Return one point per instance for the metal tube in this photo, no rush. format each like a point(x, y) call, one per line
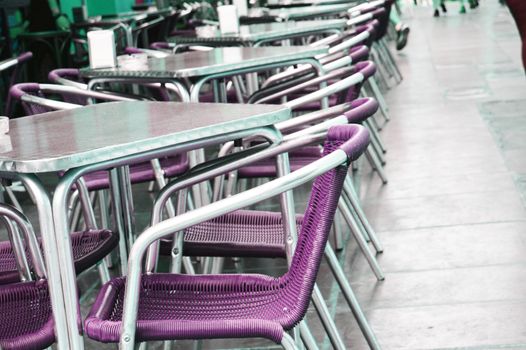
point(288, 343)
point(18, 249)
point(326, 320)
point(87, 208)
point(118, 219)
point(371, 156)
point(288, 213)
point(351, 298)
point(127, 202)
point(360, 240)
point(353, 199)
point(307, 337)
point(61, 302)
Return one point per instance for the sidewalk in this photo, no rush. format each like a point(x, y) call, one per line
point(452, 217)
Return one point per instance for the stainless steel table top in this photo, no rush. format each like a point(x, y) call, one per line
point(253, 33)
point(66, 139)
point(204, 63)
point(293, 13)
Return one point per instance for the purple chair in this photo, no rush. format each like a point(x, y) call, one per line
point(32, 96)
point(171, 306)
point(89, 247)
point(260, 233)
point(26, 318)
point(14, 64)
point(296, 91)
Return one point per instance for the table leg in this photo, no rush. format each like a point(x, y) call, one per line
point(127, 203)
point(57, 268)
point(287, 208)
point(115, 190)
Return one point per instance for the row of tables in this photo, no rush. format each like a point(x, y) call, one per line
point(112, 135)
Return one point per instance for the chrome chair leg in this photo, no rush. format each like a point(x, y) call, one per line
point(362, 228)
point(377, 94)
point(337, 230)
point(355, 230)
point(383, 67)
point(351, 298)
point(375, 163)
point(306, 336)
point(352, 196)
point(73, 210)
point(104, 273)
point(288, 343)
point(12, 197)
point(390, 57)
point(375, 146)
point(376, 136)
point(326, 319)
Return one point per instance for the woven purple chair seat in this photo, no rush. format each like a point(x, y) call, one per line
point(26, 319)
point(89, 247)
point(244, 233)
point(140, 173)
point(197, 307)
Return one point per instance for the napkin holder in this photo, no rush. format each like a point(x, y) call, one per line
point(228, 19)
point(101, 45)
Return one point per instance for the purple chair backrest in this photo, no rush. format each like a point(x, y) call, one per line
point(69, 77)
point(326, 190)
point(17, 91)
point(20, 61)
point(367, 69)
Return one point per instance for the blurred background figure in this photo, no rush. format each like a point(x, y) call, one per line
point(437, 6)
point(402, 30)
point(518, 11)
point(440, 4)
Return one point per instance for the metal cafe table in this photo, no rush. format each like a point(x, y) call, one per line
point(190, 71)
point(110, 136)
point(203, 66)
point(257, 34)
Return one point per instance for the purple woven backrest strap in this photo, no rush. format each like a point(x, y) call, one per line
point(319, 215)
point(65, 73)
point(18, 90)
point(361, 109)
